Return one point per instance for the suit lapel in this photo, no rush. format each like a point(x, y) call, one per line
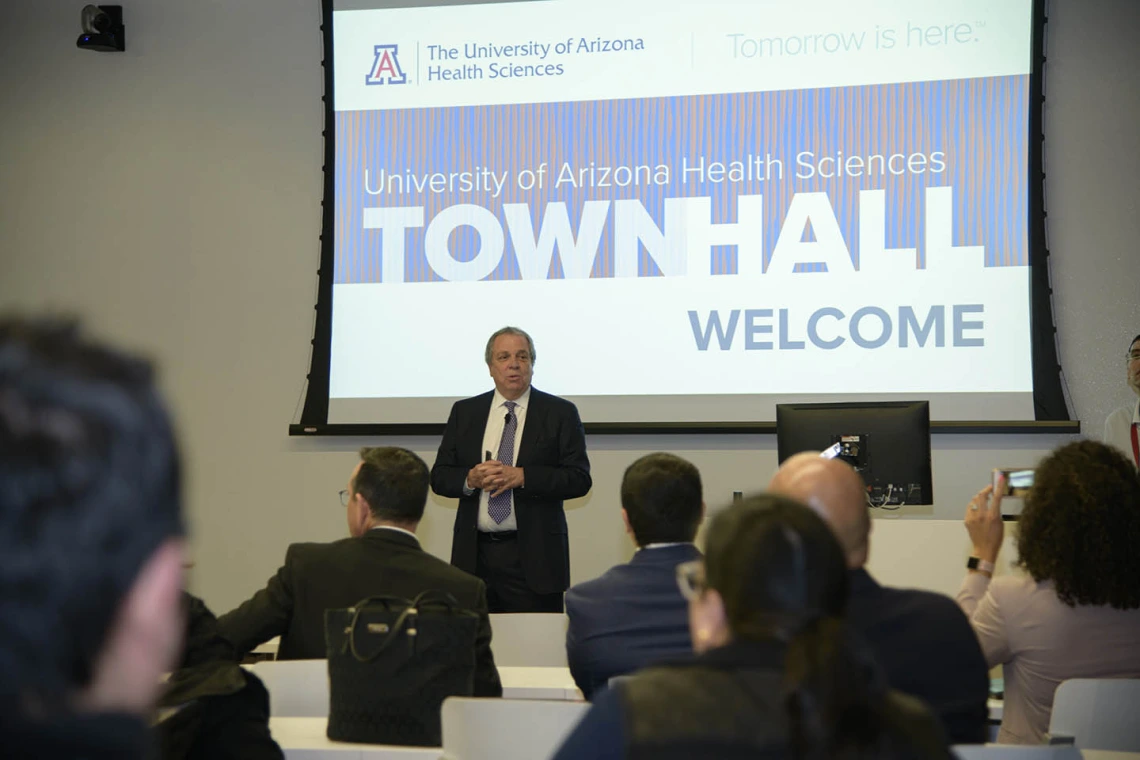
point(535, 419)
point(480, 411)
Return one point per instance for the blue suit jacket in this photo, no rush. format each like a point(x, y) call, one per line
point(630, 617)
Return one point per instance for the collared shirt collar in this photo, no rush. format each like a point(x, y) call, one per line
point(398, 530)
point(665, 545)
point(500, 399)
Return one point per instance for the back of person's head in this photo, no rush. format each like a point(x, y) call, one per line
point(1080, 526)
point(780, 574)
point(662, 499)
point(836, 492)
point(776, 566)
point(90, 524)
point(394, 482)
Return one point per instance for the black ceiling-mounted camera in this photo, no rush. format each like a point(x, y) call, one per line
point(102, 29)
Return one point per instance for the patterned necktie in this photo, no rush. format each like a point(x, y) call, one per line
point(499, 507)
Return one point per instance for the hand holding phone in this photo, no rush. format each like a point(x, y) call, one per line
point(1014, 481)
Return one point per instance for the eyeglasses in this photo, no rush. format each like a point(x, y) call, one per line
point(344, 496)
point(691, 579)
point(1132, 356)
point(522, 357)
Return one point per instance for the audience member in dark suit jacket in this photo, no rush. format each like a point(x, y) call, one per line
point(922, 640)
point(385, 499)
point(634, 614)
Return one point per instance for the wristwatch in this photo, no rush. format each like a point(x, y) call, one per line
point(974, 563)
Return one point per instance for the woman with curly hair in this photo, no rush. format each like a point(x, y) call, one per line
point(1077, 613)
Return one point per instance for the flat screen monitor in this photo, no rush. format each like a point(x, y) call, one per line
point(888, 444)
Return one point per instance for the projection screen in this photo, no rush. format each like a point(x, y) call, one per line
point(697, 208)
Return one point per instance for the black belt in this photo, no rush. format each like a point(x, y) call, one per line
point(502, 535)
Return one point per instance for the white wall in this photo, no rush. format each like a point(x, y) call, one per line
point(171, 196)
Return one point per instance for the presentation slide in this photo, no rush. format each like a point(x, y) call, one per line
point(697, 209)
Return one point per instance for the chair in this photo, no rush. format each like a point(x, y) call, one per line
point(1014, 752)
point(506, 729)
point(268, 648)
point(297, 688)
point(529, 639)
point(1097, 713)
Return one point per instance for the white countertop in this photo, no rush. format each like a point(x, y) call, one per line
point(305, 739)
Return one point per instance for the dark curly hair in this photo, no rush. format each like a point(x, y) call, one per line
point(1081, 526)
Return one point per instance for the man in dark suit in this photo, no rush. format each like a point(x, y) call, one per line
point(634, 614)
point(385, 499)
point(512, 456)
point(922, 640)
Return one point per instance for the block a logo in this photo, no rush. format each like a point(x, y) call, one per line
point(386, 66)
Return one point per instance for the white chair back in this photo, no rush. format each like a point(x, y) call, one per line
point(1015, 752)
point(506, 729)
point(1098, 713)
point(297, 688)
point(529, 639)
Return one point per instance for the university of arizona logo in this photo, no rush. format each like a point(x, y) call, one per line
point(386, 66)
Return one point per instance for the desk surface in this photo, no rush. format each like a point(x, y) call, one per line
point(305, 739)
point(538, 683)
point(300, 688)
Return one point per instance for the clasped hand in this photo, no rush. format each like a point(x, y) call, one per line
point(495, 477)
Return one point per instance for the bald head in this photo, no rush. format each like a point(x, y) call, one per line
point(836, 492)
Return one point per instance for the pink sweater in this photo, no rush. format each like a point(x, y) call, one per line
point(1039, 641)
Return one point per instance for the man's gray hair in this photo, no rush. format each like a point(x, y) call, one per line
point(508, 331)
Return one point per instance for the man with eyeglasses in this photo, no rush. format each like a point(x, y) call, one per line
point(1122, 428)
point(512, 456)
point(384, 504)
